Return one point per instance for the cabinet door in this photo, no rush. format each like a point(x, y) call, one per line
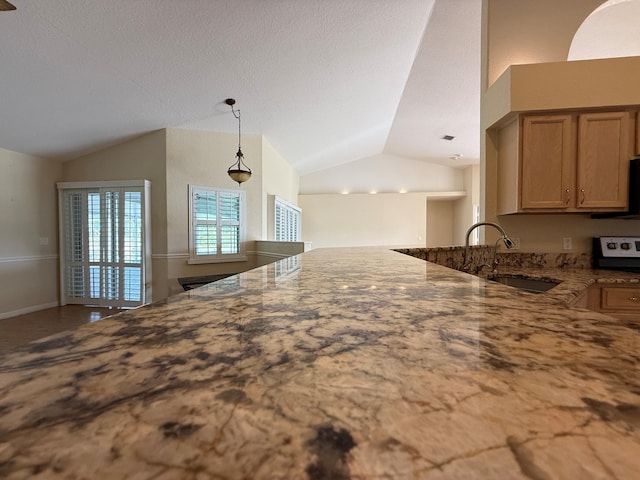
point(621, 299)
point(621, 302)
point(604, 151)
point(547, 177)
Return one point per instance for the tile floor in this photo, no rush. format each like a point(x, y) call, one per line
point(23, 329)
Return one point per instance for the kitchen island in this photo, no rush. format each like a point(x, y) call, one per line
point(336, 364)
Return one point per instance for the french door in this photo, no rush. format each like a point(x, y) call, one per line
point(103, 238)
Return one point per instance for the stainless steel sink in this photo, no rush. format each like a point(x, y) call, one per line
point(533, 285)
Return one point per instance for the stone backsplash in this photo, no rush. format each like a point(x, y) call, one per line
point(545, 260)
point(453, 257)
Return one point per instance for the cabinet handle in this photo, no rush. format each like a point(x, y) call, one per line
point(582, 196)
point(634, 299)
point(568, 198)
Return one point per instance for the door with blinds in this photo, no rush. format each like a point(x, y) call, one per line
point(284, 220)
point(103, 238)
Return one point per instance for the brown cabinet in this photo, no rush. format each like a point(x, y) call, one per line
point(548, 166)
point(604, 149)
point(565, 162)
point(620, 301)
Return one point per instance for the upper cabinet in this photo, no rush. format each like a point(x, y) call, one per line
point(565, 162)
point(548, 168)
point(605, 148)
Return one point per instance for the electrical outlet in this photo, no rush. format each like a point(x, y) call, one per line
point(44, 240)
point(567, 243)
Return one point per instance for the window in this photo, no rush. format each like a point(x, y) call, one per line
point(104, 230)
point(216, 219)
point(286, 221)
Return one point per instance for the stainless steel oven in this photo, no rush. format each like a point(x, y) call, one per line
point(617, 253)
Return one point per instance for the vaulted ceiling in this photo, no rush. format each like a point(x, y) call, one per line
point(326, 81)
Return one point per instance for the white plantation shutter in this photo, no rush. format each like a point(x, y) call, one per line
point(217, 223)
point(287, 221)
point(103, 244)
point(205, 205)
point(229, 222)
point(75, 244)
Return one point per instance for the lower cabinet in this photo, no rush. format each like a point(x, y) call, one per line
point(619, 301)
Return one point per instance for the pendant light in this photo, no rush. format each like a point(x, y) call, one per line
point(239, 172)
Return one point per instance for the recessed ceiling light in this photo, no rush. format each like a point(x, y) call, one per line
point(456, 156)
point(448, 137)
point(373, 192)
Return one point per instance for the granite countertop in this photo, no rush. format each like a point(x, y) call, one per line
point(574, 281)
point(337, 363)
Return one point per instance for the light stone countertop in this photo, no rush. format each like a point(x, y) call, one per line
point(574, 281)
point(335, 364)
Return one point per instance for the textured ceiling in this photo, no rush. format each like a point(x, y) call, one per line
point(327, 82)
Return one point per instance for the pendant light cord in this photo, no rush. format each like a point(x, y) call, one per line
point(239, 171)
point(233, 110)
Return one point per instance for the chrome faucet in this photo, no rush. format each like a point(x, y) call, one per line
point(504, 237)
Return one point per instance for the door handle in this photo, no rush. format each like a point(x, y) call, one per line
point(634, 299)
point(582, 196)
point(568, 197)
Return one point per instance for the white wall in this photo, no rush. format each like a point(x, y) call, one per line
point(386, 219)
point(28, 213)
point(383, 173)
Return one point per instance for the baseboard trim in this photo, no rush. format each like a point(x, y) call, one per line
point(26, 310)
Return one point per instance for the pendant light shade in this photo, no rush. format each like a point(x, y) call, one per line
point(239, 171)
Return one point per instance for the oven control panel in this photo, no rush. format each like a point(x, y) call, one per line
point(628, 247)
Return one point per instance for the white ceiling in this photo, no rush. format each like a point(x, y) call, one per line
point(326, 81)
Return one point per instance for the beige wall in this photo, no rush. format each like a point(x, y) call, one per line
point(171, 160)
point(142, 158)
point(526, 31)
point(278, 178)
point(511, 34)
point(383, 174)
point(597, 83)
point(386, 219)
point(440, 223)
point(463, 208)
point(202, 158)
point(29, 213)
point(331, 218)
